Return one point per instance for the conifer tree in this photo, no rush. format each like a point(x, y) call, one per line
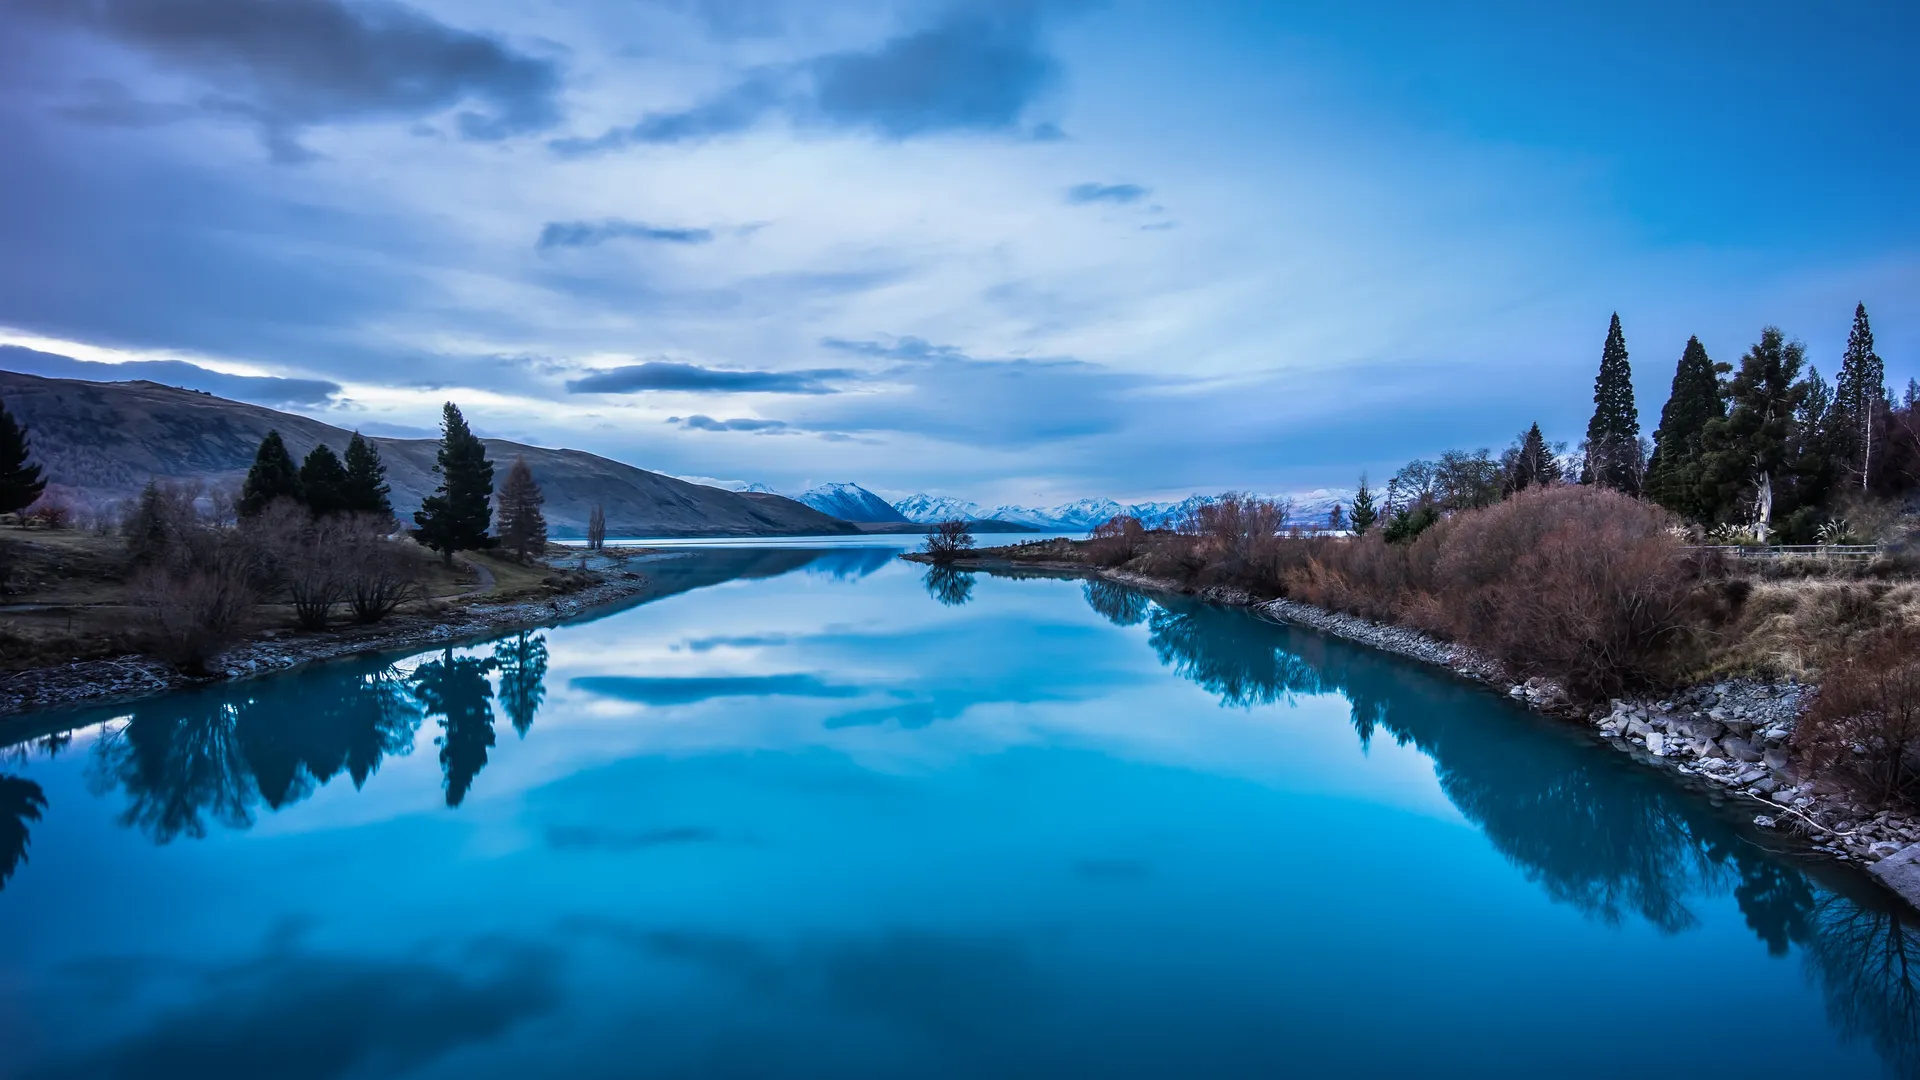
point(1613, 435)
point(1859, 401)
point(273, 476)
point(1364, 513)
point(523, 528)
point(366, 490)
point(20, 480)
point(1530, 462)
point(323, 481)
point(1750, 445)
point(455, 517)
point(522, 661)
point(1673, 476)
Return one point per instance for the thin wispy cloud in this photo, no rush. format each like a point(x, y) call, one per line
point(671, 375)
point(576, 234)
point(1092, 192)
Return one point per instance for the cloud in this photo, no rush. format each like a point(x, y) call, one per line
point(899, 348)
point(674, 375)
point(259, 389)
point(573, 234)
point(1092, 192)
point(296, 63)
point(973, 71)
point(595, 838)
point(687, 690)
point(700, 422)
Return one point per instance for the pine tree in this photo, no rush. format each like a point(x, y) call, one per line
point(523, 528)
point(20, 480)
point(323, 481)
point(1363, 514)
point(1613, 435)
point(1859, 401)
point(366, 490)
point(1673, 476)
point(455, 517)
point(1530, 462)
point(1815, 451)
point(272, 477)
point(1750, 446)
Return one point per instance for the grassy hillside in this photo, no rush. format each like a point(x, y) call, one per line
point(102, 442)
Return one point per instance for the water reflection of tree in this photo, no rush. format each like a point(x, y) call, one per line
point(949, 586)
point(455, 688)
point(1592, 830)
point(522, 660)
point(1117, 604)
point(21, 802)
point(209, 757)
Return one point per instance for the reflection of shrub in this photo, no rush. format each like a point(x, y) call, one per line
point(1117, 604)
point(1865, 721)
point(948, 540)
point(949, 586)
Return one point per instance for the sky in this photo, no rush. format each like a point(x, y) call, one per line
point(1008, 250)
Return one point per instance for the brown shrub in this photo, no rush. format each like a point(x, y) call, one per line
point(1119, 539)
point(196, 602)
point(948, 540)
point(1239, 539)
point(1864, 725)
point(50, 512)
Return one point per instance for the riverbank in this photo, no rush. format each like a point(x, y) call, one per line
point(1730, 737)
point(99, 681)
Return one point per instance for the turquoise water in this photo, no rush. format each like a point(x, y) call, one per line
point(816, 813)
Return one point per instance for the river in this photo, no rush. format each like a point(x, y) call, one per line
point(818, 812)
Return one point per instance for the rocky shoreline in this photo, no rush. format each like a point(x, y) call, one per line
point(1731, 734)
point(120, 678)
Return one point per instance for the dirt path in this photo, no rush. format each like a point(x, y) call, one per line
point(486, 583)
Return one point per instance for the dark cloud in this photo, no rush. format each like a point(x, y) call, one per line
point(673, 375)
point(973, 71)
point(1092, 192)
point(573, 234)
point(669, 690)
point(702, 422)
point(292, 64)
point(259, 389)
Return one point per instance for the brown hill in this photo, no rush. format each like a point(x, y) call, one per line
point(103, 441)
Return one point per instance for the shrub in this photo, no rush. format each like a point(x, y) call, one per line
point(50, 512)
point(948, 540)
point(1117, 540)
point(1238, 538)
point(1864, 725)
point(383, 576)
point(198, 600)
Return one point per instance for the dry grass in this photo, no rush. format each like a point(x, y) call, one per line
point(1794, 629)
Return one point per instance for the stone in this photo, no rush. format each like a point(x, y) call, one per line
point(1740, 749)
point(1742, 728)
point(1656, 744)
point(1763, 821)
point(1775, 760)
point(1766, 785)
point(1900, 872)
point(1784, 796)
point(1776, 734)
point(1706, 749)
point(1637, 727)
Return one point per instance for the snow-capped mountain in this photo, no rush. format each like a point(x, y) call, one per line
point(1309, 509)
point(849, 502)
point(928, 509)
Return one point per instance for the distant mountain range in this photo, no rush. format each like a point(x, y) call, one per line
point(102, 441)
point(851, 502)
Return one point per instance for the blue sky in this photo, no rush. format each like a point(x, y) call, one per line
point(1009, 251)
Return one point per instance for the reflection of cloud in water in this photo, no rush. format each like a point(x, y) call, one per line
point(298, 1015)
point(732, 641)
point(596, 838)
point(689, 689)
point(1112, 869)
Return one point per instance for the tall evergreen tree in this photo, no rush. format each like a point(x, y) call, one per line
point(20, 480)
point(323, 481)
point(523, 528)
point(1530, 462)
point(455, 517)
point(272, 477)
point(1613, 435)
point(1364, 513)
point(1859, 401)
point(366, 489)
point(1751, 445)
point(1673, 475)
point(1815, 452)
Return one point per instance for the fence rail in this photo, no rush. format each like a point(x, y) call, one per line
point(1794, 551)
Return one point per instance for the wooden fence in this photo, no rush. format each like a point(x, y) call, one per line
point(1837, 552)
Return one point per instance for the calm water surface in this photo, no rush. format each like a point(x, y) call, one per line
point(816, 813)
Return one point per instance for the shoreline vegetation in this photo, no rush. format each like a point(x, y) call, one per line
point(1588, 605)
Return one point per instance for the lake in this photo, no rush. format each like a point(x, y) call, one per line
point(819, 812)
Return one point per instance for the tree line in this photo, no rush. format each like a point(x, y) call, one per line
point(1766, 450)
